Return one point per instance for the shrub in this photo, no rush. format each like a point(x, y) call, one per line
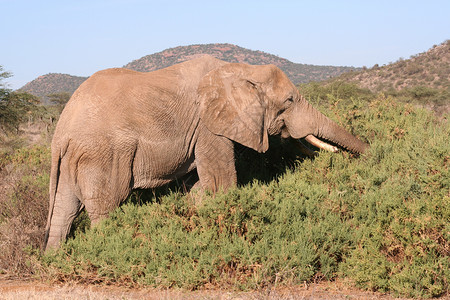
point(401, 219)
point(422, 95)
point(322, 93)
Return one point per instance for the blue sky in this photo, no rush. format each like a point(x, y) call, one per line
point(84, 36)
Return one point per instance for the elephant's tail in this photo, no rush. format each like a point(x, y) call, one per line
point(54, 176)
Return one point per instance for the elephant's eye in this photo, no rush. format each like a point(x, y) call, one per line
point(288, 102)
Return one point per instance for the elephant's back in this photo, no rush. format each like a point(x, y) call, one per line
point(119, 100)
point(89, 114)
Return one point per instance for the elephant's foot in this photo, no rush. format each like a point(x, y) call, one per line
point(196, 195)
point(66, 208)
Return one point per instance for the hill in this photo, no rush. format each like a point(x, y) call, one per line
point(430, 69)
point(298, 73)
point(53, 83)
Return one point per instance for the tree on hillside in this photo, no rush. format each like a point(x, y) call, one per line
point(15, 107)
point(59, 99)
point(3, 90)
point(3, 75)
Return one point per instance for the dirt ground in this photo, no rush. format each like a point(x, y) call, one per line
point(28, 289)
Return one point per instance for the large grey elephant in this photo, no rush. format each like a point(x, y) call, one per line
point(123, 130)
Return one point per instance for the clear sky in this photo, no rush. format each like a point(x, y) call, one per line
point(80, 37)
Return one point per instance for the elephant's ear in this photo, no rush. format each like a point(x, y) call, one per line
point(232, 105)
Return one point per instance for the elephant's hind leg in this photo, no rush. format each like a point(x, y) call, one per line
point(99, 208)
point(66, 207)
point(104, 186)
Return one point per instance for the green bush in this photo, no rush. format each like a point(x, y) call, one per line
point(402, 217)
point(15, 108)
point(381, 220)
point(232, 239)
point(423, 95)
point(324, 92)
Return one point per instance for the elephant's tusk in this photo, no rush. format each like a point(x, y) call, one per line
point(320, 144)
point(304, 149)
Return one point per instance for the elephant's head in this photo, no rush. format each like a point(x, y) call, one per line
point(247, 103)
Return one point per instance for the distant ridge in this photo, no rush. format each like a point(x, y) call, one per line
point(298, 73)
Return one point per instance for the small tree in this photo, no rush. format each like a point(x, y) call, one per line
point(14, 106)
point(59, 99)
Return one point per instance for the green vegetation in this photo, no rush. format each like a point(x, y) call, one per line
point(321, 93)
point(59, 100)
point(14, 107)
point(421, 94)
point(381, 220)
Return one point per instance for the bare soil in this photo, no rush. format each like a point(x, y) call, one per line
point(31, 289)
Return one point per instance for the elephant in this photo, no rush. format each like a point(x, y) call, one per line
point(123, 130)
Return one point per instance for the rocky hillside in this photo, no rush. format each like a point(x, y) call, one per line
point(298, 73)
point(430, 69)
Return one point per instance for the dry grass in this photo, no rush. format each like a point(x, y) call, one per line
point(23, 207)
point(12, 290)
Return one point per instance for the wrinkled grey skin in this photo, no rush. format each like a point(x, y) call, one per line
point(123, 130)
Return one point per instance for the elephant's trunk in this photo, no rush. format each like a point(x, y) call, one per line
point(336, 134)
point(307, 120)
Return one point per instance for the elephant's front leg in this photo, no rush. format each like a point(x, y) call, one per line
point(214, 157)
